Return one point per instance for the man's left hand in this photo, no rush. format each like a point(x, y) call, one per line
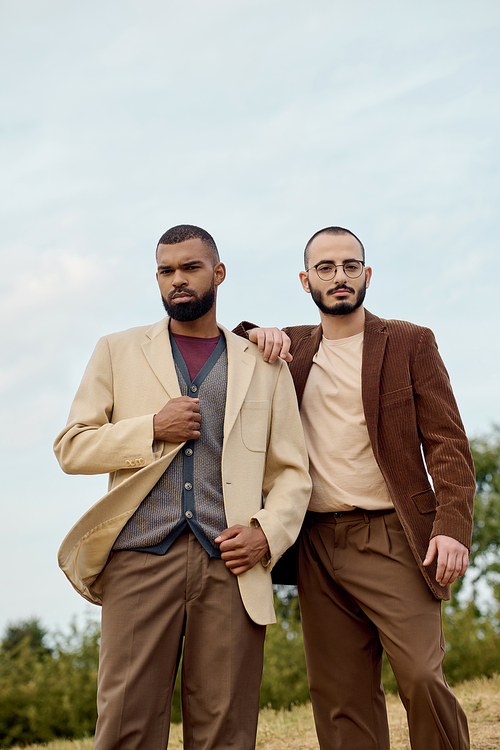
point(242, 547)
point(452, 558)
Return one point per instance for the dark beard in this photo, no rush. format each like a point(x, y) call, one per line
point(339, 308)
point(187, 311)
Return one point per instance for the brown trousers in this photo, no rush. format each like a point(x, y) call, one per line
point(360, 592)
point(150, 603)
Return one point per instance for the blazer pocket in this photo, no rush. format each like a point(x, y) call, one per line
point(425, 502)
point(397, 397)
point(254, 425)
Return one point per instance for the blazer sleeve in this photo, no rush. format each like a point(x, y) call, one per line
point(444, 442)
point(242, 328)
point(91, 443)
point(286, 485)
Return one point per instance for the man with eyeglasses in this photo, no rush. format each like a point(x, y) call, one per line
point(380, 544)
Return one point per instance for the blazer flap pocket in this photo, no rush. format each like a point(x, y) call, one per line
point(396, 397)
point(425, 501)
point(254, 425)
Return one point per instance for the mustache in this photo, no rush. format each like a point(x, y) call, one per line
point(341, 286)
point(171, 296)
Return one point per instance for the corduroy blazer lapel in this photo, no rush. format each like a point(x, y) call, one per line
point(307, 346)
point(374, 343)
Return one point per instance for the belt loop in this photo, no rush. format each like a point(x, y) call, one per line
point(366, 516)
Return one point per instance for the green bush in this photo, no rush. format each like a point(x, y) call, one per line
point(472, 643)
point(284, 681)
point(48, 693)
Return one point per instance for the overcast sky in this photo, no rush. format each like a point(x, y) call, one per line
point(261, 121)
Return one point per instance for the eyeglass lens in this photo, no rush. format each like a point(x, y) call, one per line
point(327, 271)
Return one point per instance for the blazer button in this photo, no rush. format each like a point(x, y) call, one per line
point(188, 486)
point(188, 452)
point(194, 388)
point(188, 514)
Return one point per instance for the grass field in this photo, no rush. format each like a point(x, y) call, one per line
point(294, 730)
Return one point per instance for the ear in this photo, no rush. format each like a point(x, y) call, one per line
point(304, 280)
point(368, 275)
point(219, 273)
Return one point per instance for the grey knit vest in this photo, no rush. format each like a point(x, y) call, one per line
point(190, 490)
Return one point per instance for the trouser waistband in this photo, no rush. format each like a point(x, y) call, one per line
point(346, 515)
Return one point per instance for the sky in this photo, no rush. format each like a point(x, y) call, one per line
point(261, 121)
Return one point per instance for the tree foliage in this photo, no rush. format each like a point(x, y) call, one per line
point(484, 557)
point(284, 682)
point(47, 693)
point(28, 631)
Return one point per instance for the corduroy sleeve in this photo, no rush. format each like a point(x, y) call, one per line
point(444, 442)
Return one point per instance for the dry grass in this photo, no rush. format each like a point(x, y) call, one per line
point(294, 730)
point(480, 700)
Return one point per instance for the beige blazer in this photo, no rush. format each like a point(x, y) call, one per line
point(129, 378)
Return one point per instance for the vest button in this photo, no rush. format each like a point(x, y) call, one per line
point(188, 451)
point(188, 486)
point(194, 388)
point(188, 514)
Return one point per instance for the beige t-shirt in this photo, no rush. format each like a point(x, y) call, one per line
point(343, 469)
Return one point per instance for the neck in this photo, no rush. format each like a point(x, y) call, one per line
point(202, 328)
point(343, 326)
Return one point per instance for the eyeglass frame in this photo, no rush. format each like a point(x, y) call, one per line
point(337, 265)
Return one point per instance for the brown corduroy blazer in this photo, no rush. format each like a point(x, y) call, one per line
point(410, 412)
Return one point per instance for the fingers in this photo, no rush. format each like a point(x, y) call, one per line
point(452, 558)
point(229, 533)
point(178, 421)
point(450, 567)
point(272, 343)
point(242, 547)
point(237, 569)
point(431, 552)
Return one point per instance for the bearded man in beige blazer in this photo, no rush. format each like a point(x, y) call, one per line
point(208, 486)
point(380, 545)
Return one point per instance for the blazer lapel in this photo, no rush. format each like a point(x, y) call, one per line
point(240, 368)
point(158, 353)
point(374, 343)
point(303, 352)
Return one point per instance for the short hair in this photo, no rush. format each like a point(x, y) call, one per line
point(183, 232)
point(330, 230)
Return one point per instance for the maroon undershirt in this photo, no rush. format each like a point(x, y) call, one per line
point(195, 351)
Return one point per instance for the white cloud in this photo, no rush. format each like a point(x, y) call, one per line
point(47, 279)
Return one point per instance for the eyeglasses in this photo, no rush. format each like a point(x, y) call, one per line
point(327, 271)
